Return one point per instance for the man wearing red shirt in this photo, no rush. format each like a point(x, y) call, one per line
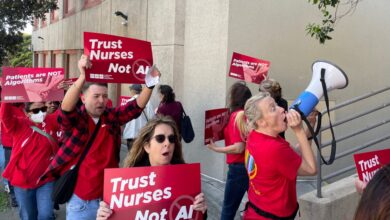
point(78, 124)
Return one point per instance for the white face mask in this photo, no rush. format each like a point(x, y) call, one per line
point(38, 118)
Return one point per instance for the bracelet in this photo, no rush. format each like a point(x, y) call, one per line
point(151, 87)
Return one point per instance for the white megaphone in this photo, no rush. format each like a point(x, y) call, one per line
point(335, 78)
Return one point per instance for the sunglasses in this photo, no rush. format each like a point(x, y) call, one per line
point(160, 138)
point(37, 110)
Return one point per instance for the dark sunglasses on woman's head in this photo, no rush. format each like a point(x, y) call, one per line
point(160, 138)
point(36, 110)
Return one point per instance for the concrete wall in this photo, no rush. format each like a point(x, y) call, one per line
point(339, 201)
point(204, 84)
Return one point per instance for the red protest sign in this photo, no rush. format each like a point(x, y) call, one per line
point(117, 59)
point(22, 84)
point(215, 122)
point(159, 192)
point(123, 100)
point(367, 164)
point(248, 68)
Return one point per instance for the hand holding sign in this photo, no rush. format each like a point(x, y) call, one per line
point(104, 211)
point(248, 68)
point(200, 203)
point(152, 78)
point(32, 84)
point(255, 75)
point(360, 186)
point(83, 64)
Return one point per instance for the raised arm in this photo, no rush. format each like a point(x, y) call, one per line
point(152, 78)
point(308, 166)
point(74, 91)
point(144, 97)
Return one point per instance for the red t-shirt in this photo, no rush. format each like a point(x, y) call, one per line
point(272, 167)
point(232, 136)
point(102, 154)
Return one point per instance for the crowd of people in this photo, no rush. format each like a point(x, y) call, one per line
point(41, 141)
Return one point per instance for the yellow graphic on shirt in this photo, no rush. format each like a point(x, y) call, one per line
point(250, 165)
point(251, 168)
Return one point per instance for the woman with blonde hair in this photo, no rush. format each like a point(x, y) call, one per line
point(272, 164)
point(275, 90)
point(157, 144)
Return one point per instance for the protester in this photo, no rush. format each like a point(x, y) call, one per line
point(78, 124)
point(272, 163)
point(237, 178)
point(33, 149)
point(7, 142)
point(2, 159)
point(132, 127)
point(375, 201)
point(168, 106)
point(158, 144)
point(275, 90)
point(52, 106)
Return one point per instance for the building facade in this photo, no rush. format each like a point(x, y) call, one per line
point(193, 41)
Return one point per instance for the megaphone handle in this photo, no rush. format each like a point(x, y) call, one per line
point(333, 148)
point(314, 135)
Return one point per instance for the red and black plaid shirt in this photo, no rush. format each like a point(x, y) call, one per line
point(76, 133)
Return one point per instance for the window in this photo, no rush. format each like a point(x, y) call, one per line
point(69, 7)
point(35, 24)
point(53, 60)
point(91, 3)
point(36, 57)
point(53, 16)
point(44, 59)
point(71, 60)
point(44, 21)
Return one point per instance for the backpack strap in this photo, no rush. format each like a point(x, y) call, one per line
point(48, 136)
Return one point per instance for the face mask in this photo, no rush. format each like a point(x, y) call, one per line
point(38, 118)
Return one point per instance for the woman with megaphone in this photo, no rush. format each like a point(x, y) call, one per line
point(272, 163)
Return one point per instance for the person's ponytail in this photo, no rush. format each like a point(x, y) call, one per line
point(240, 122)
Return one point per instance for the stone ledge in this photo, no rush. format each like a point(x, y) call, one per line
point(339, 201)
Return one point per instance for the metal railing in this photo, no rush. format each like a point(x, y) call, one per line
point(320, 178)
